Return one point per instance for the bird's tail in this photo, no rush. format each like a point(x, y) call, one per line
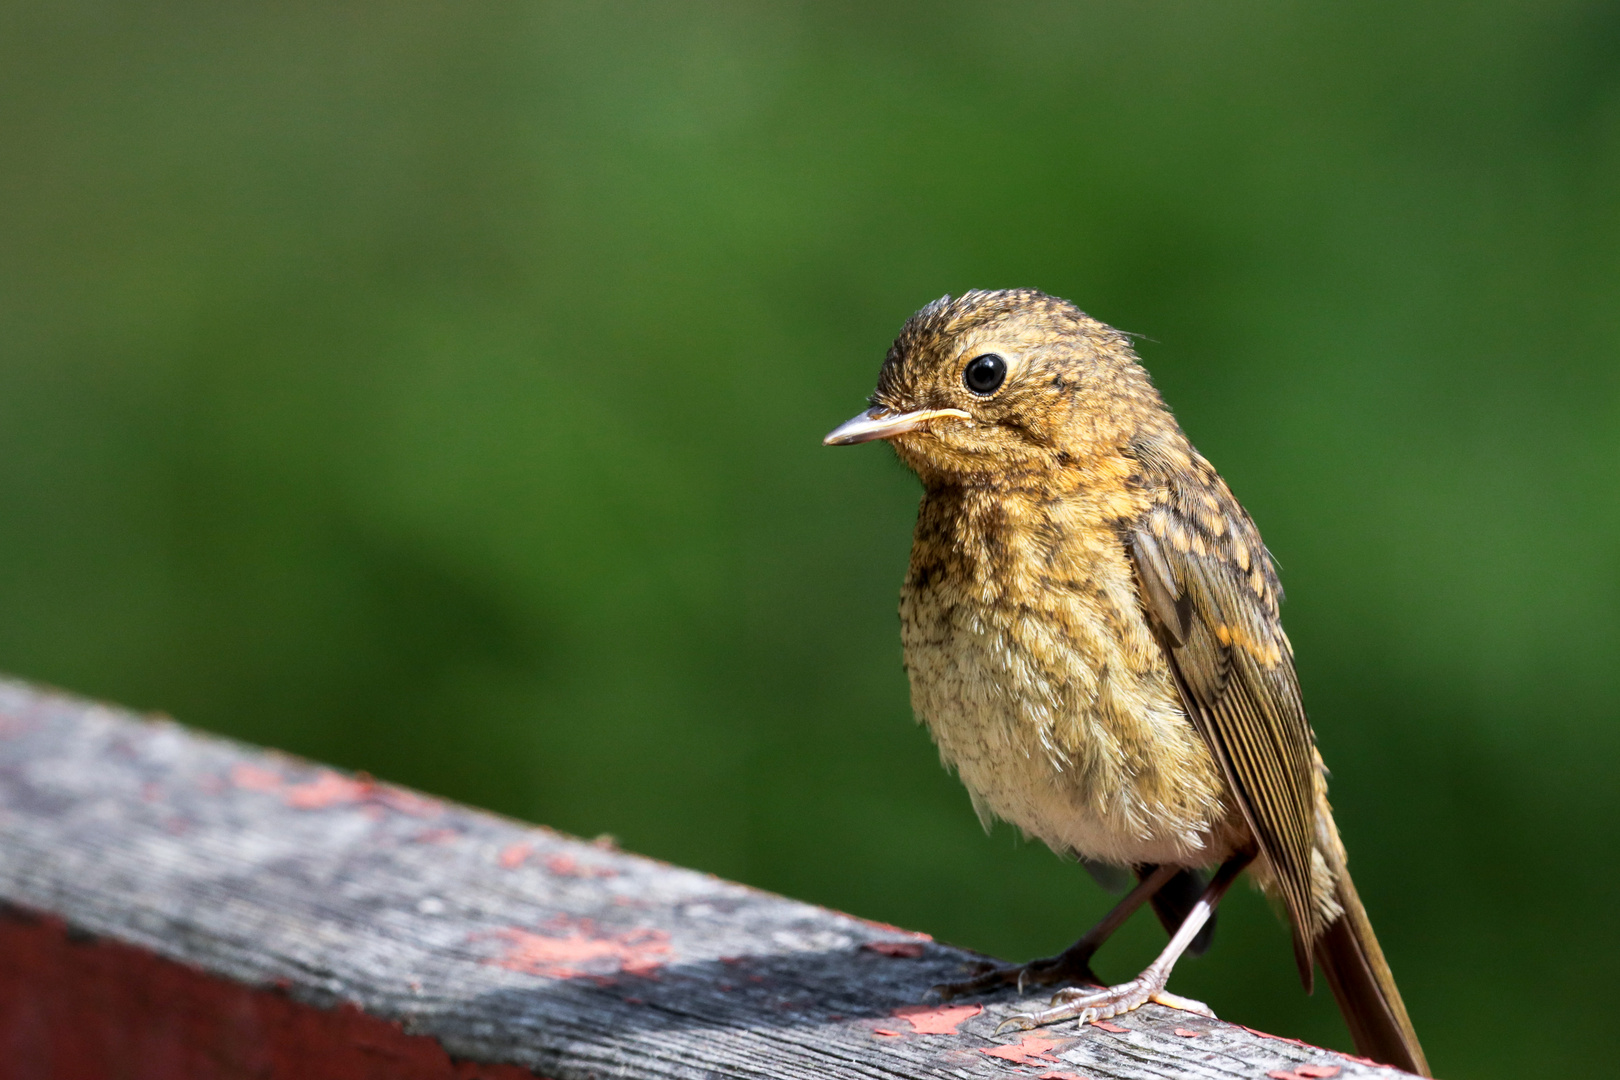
point(1363, 985)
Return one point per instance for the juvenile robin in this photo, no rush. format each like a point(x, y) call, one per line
point(1091, 633)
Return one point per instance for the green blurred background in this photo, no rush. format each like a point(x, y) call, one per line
point(436, 389)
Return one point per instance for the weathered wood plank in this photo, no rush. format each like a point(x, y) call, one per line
point(223, 911)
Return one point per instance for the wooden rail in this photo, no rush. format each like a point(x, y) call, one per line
point(181, 906)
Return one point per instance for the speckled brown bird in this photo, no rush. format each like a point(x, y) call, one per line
point(1092, 636)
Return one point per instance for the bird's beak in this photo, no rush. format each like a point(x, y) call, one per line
point(879, 423)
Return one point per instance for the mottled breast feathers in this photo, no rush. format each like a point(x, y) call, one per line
point(1208, 584)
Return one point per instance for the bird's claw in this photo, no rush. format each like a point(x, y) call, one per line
point(1086, 1005)
point(1185, 1004)
point(1065, 967)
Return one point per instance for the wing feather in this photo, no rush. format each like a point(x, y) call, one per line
point(1208, 584)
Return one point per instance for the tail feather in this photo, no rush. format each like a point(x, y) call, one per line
point(1364, 987)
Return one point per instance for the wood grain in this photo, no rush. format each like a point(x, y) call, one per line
point(216, 910)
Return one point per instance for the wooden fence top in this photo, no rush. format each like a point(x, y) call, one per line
point(185, 906)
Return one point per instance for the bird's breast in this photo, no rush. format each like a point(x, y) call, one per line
point(1035, 670)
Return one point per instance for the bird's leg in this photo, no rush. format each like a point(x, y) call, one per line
point(1088, 1005)
point(1072, 965)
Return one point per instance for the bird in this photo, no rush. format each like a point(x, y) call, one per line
point(1092, 637)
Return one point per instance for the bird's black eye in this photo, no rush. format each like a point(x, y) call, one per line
point(984, 374)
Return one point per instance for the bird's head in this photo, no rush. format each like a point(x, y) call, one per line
point(1003, 385)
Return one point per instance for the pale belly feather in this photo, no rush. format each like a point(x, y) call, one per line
point(1065, 726)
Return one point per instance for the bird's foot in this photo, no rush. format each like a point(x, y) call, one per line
point(1087, 1004)
point(1072, 965)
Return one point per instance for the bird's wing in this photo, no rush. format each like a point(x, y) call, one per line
point(1207, 581)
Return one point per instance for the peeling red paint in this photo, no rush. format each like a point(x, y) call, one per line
point(886, 1031)
point(77, 1008)
point(1317, 1072)
point(575, 949)
point(1286, 1039)
point(255, 778)
point(327, 789)
point(908, 950)
point(1055, 1075)
point(330, 788)
point(407, 802)
point(1185, 1034)
point(512, 856)
point(1106, 1026)
point(943, 1020)
point(915, 935)
point(1034, 1047)
point(565, 865)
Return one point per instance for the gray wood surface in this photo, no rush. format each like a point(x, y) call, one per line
point(505, 942)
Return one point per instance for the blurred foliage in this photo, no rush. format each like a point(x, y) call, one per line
point(436, 389)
